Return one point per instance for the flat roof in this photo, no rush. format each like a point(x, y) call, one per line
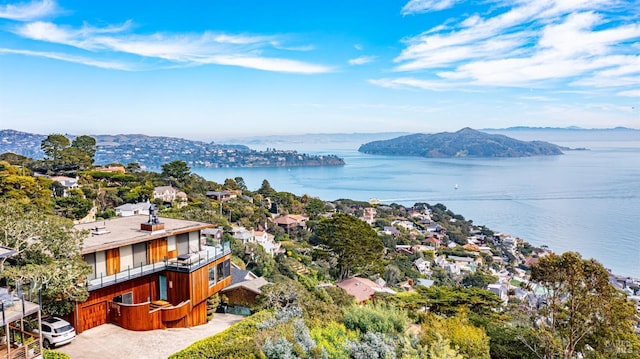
point(122, 231)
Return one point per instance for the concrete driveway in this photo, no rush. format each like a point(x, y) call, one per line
point(111, 341)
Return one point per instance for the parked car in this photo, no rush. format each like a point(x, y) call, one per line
point(56, 331)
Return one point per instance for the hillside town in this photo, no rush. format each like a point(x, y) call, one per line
point(148, 251)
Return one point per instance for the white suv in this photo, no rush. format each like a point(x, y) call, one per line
point(56, 332)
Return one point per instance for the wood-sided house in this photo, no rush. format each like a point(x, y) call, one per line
point(150, 273)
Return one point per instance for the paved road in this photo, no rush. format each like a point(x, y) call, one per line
point(111, 341)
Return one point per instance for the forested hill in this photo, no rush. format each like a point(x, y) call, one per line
point(466, 142)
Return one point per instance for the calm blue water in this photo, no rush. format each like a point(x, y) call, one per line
point(586, 201)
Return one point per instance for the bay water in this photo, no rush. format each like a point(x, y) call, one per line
point(585, 200)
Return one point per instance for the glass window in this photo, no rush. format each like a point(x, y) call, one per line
point(212, 275)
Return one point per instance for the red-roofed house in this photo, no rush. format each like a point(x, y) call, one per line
point(361, 288)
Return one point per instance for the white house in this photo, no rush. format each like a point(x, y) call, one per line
point(132, 209)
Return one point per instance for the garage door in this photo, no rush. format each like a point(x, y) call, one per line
point(92, 316)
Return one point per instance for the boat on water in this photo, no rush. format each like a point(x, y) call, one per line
point(456, 186)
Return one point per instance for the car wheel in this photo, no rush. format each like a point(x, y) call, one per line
point(46, 344)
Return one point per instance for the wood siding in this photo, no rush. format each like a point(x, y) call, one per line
point(198, 314)
point(158, 250)
point(88, 316)
point(240, 296)
point(113, 261)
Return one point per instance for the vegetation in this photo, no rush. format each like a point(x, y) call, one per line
point(303, 313)
point(464, 143)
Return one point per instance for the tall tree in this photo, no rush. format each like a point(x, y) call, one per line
point(584, 312)
point(53, 147)
point(353, 242)
point(86, 150)
point(177, 171)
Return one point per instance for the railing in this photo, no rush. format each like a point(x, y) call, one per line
point(183, 263)
point(22, 351)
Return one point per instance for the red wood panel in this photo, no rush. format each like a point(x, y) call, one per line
point(157, 250)
point(144, 289)
point(178, 287)
point(92, 316)
point(138, 317)
point(198, 315)
point(113, 260)
point(178, 312)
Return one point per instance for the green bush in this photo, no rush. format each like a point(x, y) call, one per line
point(53, 354)
point(236, 342)
point(376, 318)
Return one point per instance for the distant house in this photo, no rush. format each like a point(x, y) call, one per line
point(369, 215)
point(361, 288)
point(264, 239)
point(391, 230)
point(424, 282)
point(244, 288)
point(133, 209)
point(422, 265)
point(404, 249)
point(434, 242)
point(291, 221)
point(170, 194)
point(223, 196)
point(111, 169)
point(66, 182)
point(501, 290)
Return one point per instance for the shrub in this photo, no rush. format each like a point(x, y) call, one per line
point(236, 342)
point(377, 319)
point(53, 354)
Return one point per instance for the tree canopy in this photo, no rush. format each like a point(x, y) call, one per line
point(584, 313)
point(352, 241)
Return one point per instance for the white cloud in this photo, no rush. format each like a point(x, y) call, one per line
point(546, 43)
point(177, 49)
point(111, 65)
point(422, 6)
point(28, 11)
point(361, 60)
point(630, 93)
point(409, 82)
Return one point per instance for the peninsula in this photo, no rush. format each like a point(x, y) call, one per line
point(153, 151)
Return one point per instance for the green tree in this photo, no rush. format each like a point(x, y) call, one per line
point(53, 147)
point(85, 150)
point(470, 342)
point(177, 171)
point(585, 314)
point(47, 256)
point(353, 242)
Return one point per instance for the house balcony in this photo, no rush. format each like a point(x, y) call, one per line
point(17, 316)
point(182, 263)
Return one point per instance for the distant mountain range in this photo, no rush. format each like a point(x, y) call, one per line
point(466, 142)
point(154, 151)
point(570, 128)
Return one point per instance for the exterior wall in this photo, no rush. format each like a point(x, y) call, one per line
point(95, 310)
point(241, 296)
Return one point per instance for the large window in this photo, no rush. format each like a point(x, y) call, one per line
point(224, 269)
point(212, 276)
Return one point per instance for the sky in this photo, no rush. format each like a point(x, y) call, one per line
point(213, 69)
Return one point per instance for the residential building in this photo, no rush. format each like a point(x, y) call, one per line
point(369, 215)
point(362, 289)
point(244, 288)
point(150, 273)
point(16, 341)
point(133, 209)
point(170, 194)
point(291, 221)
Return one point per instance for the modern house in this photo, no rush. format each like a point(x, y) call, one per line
point(17, 317)
point(291, 221)
point(150, 273)
point(362, 289)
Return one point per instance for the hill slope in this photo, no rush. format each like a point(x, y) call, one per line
point(466, 142)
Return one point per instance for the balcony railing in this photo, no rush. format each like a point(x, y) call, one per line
point(182, 263)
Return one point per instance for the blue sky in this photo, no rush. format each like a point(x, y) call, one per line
point(213, 69)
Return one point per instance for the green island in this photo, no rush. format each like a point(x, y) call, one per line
point(338, 279)
point(466, 142)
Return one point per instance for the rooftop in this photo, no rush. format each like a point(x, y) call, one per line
point(122, 231)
